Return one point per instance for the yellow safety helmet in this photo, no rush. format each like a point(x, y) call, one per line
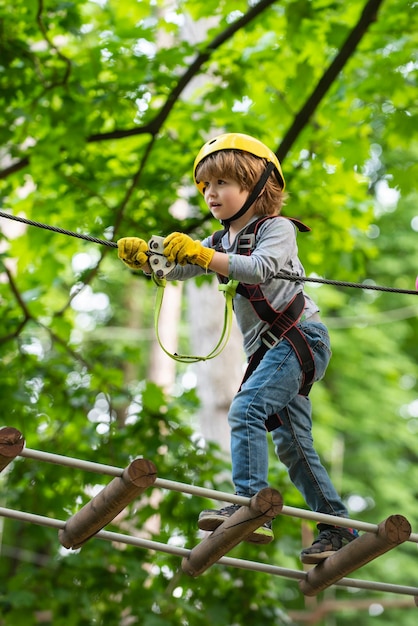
point(238, 141)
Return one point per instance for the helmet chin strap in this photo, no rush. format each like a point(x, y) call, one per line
point(252, 197)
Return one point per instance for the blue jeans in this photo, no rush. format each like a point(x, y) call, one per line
point(274, 388)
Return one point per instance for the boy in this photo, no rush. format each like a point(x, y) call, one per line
point(286, 344)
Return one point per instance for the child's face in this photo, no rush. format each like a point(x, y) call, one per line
point(224, 197)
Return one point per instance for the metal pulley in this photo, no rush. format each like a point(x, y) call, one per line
point(158, 262)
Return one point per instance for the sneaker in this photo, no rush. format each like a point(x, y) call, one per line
point(329, 540)
point(210, 519)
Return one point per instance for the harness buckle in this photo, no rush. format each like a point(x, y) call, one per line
point(246, 243)
point(270, 339)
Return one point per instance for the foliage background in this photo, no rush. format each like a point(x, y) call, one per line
point(104, 106)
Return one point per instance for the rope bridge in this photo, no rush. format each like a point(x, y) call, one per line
point(128, 483)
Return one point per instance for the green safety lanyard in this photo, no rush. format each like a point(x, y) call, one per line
point(229, 290)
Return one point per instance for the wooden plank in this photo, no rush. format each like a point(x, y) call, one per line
point(391, 532)
point(11, 445)
point(264, 506)
point(104, 507)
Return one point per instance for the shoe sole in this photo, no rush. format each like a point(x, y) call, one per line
point(210, 523)
point(260, 535)
point(314, 559)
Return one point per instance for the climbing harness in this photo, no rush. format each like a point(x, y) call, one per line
point(282, 324)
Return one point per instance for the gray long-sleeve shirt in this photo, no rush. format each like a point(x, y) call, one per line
point(275, 251)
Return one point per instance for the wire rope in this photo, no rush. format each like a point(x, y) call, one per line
point(57, 229)
point(283, 275)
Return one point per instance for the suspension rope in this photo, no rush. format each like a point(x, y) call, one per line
point(285, 276)
point(203, 492)
point(227, 561)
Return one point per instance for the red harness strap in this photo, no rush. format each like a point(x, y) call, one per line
point(287, 318)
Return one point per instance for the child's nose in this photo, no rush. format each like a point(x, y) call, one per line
point(211, 192)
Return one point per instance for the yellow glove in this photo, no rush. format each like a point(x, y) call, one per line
point(132, 251)
point(181, 249)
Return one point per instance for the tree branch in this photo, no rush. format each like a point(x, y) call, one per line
point(64, 59)
point(156, 123)
point(15, 167)
point(26, 313)
point(154, 126)
point(369, 15)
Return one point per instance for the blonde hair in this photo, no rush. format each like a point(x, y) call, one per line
point(246, 169)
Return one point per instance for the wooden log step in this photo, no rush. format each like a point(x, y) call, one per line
point(264, 506)
point(104, 507)
point(11, 445)
point(391, 532)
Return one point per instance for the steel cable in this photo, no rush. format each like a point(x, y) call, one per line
point(294, 278)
